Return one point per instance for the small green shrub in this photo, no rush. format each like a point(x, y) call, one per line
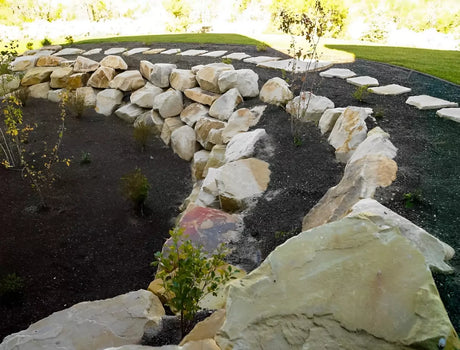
point(69, 39)
point(46, 42)
point(262, 47)
point(226, 60)
point(135, 187)
point(141, 134)
point(11, 288)
point(73, 103)
point(22, 94)
point(85, 158)
point(297, 140)
point(30, 45)
point(412, 198)
point(361, 93)
point(189, 273)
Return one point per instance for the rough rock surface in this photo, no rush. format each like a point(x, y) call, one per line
point(429, 102)
point(243, 145)
point(144, 96)
point(101, 78)
point(344, 285)
point(169, 103)
point(376, 142)
point(159, 76)
point(276, 91)
point(170, 124)
point(37, 75)
point(239, 121)
point(208, 76)
point(129, 112)
point(223, 107)
point(245, 80)
point(309, 107)
point(39, 90)
point(201, 96)
point(203, 128)
point(129, 80)
point(200, 159)
point(182, 79)
point(85, 65)
point(115, 62)
point(183, 142)
point(107, 100)
point(193, 112)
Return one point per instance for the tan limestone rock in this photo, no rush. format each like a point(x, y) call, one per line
point(107, 100)
point(160, 74)
point(49, 61)
point(8, 83)
point(192, 113)
point(77, 80)
point(113, 61)
point(203, 127)
point(207, 328)
point(169, 103)
point(129, 80)
point(170, 124)
point(216, 158)
point(85, 65)
point(88, 94)
point(60, 77)
point(200, 159)
point(101, 78)
point(23, 63)
point(145, 96)
point(182, 79)
point(37, 75)
point(146, 68)
point(223, 107)
point(201, 96)
point(239, 121)
point(376, 142)
point(276, 91)
point(39, 90)
point(208, 76)
point(183, 142)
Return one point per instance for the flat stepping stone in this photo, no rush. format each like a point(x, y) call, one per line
point(115, 50)
point(153, 51)
point(261, 59)
point(92, 52)
point(237, 56)
point(342, 73)
point(429, 102)
point(450, 113)
point(300, 66)
point(392, 89)
point(170, 52)
point(363, 81)
point(215, 53)
point(193, 52)
point(69, 51)
point(135, 51)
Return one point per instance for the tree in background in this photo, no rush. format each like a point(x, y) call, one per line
point(180, 11)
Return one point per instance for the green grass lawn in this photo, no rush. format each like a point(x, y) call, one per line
point(442, 64)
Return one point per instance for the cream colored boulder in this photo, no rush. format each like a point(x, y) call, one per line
point(39, 90)
point(77, 80)
point(85, 65)
point(151, 119)
point(129, 112)
point(169, 103)
point(92, 325)
point(223, 107)
point(435, 251)
point(37, 75)
point(8, 83)
point(169, 125)
point(55, 95)
point(129, 80)
point(183, 142)
point(146, 68)
point(160, 73)
point(276, 91)
point(193, 112)
point(328, 119)
point(245, 80)
point(201, 96)
point(208, 76)
point(113, 61)
point(348, 132)
point(345, 285)
point(215, 136)
point(360, 180)
point(88, 95)
point(182, 79)
point(216, 158)
point(49, 61)
point(376, 142)
point(60, 77)
point(23, 63)
point(107, 100)
point(243, 144)
point(203, 128)
point(206, 329)
point(308, 106)
point(144, 96)
point(242, 181)
point(199, 161)
point(239, 121)
point(101, 78)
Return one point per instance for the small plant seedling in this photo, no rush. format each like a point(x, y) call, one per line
point(74, 103)
point(297, 141)
point(189, 273)
point(379, 113)
point(11, 288)
point(361, 93)
point(412, 198)
point(135, 187)
point(69, 39)
point(227, 60)
point(30, 45)
point(141, 134)
point(85, 158)
point(262, 47)
point(46, 42)
point(22, 94)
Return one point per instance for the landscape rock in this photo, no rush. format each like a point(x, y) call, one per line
point(135, 51)
point(237, 56)
point(92, 325)
point(206, 329)
point(55, 95)
point(261, 59)
point(376, 142)
point(360, 180)
point(170, 52)
point(129, 80)
point(160, 74)
point(348, 132)
point(8, 83)
point(245, 80)
point(243, 145)
point(115, 62)
point(39, 90)
point(169, 103)
point(77, 80)
point(449, 113)
point(23, 63)
point(101, 78)
point(275, 91)
point(88, 94)
point(216, 158)
point(308, 107)
point(151, 119)
point(92, 52)
point(153, 51)
point(145, 96)
point(299, 66)
point(342, 73)
point(435, 251)
point(183, 142)
point(169, 125)
point(146, 68)
point(239, 121)
point(49, 61)
point(242, 181)
point(363, 81)
point(182, 79)
point(207, 196)
point(107, 100)
point(392, 89)
point(328, 119)
point(201, 96)
point(38, 75)
point(216, 53)
point(223, 107)
point(115, 50)
point(310, 293)
point(200, 159)
point(129, 112)
point(429, 102)
point(193, 112)
point(60, 77)
point(193, 52)
point(85, 65)
point(215, 136)
point(208, 76)
point(69, 51)
point(202, 129)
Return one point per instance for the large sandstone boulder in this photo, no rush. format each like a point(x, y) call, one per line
point(129, 80)
point(37, 75)
point(49, 61)
point(360, 180)
point(245, 80)
point(23, 63)
point(203, 127)
point(101, 78)
point(223, 107)
point(208, 76)
point(376, 142)
point(182, 79)
point(151, 119)
point(39, 90)
point(77, 80)
point(346, 285)
point(329, 118)
point(216, 158)
point(201, 96)
point(113, 61)
point(276, 91)
point(348, 132)
point(200, 159)
point(169, 103)
point(435, 251)
point(183, 142)
point(107, 100)
point(146, 68)
point(243, 145)
point(206, 329)
point(169, 125)
point(129, 112)
point(88, 95)
point(193, 112)
point(239, 121)
point(144, 96)
point(85, 65)
point(160, 73)
point(242, 181)
point(308, 107)
point(92, 325)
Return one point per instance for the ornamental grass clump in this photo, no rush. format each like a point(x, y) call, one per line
point(135, 186)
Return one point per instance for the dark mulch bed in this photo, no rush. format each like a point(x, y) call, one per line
point(91, 244)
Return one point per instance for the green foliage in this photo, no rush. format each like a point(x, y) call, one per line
point(69, 39)
point(189, 273)
point(142, 133)
point(73, 103)
point(226, 60)
point(361, 93)
point(45, 42)
point(85, 158)
point(262, 46)
point(412, 198)
point(7, 55)
point(180, 11)
point(135, 187)
point(297, 140)
point(11, 288)
point(99, 10)
point(376, 33)
point(22, 94)
point(30, 45)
